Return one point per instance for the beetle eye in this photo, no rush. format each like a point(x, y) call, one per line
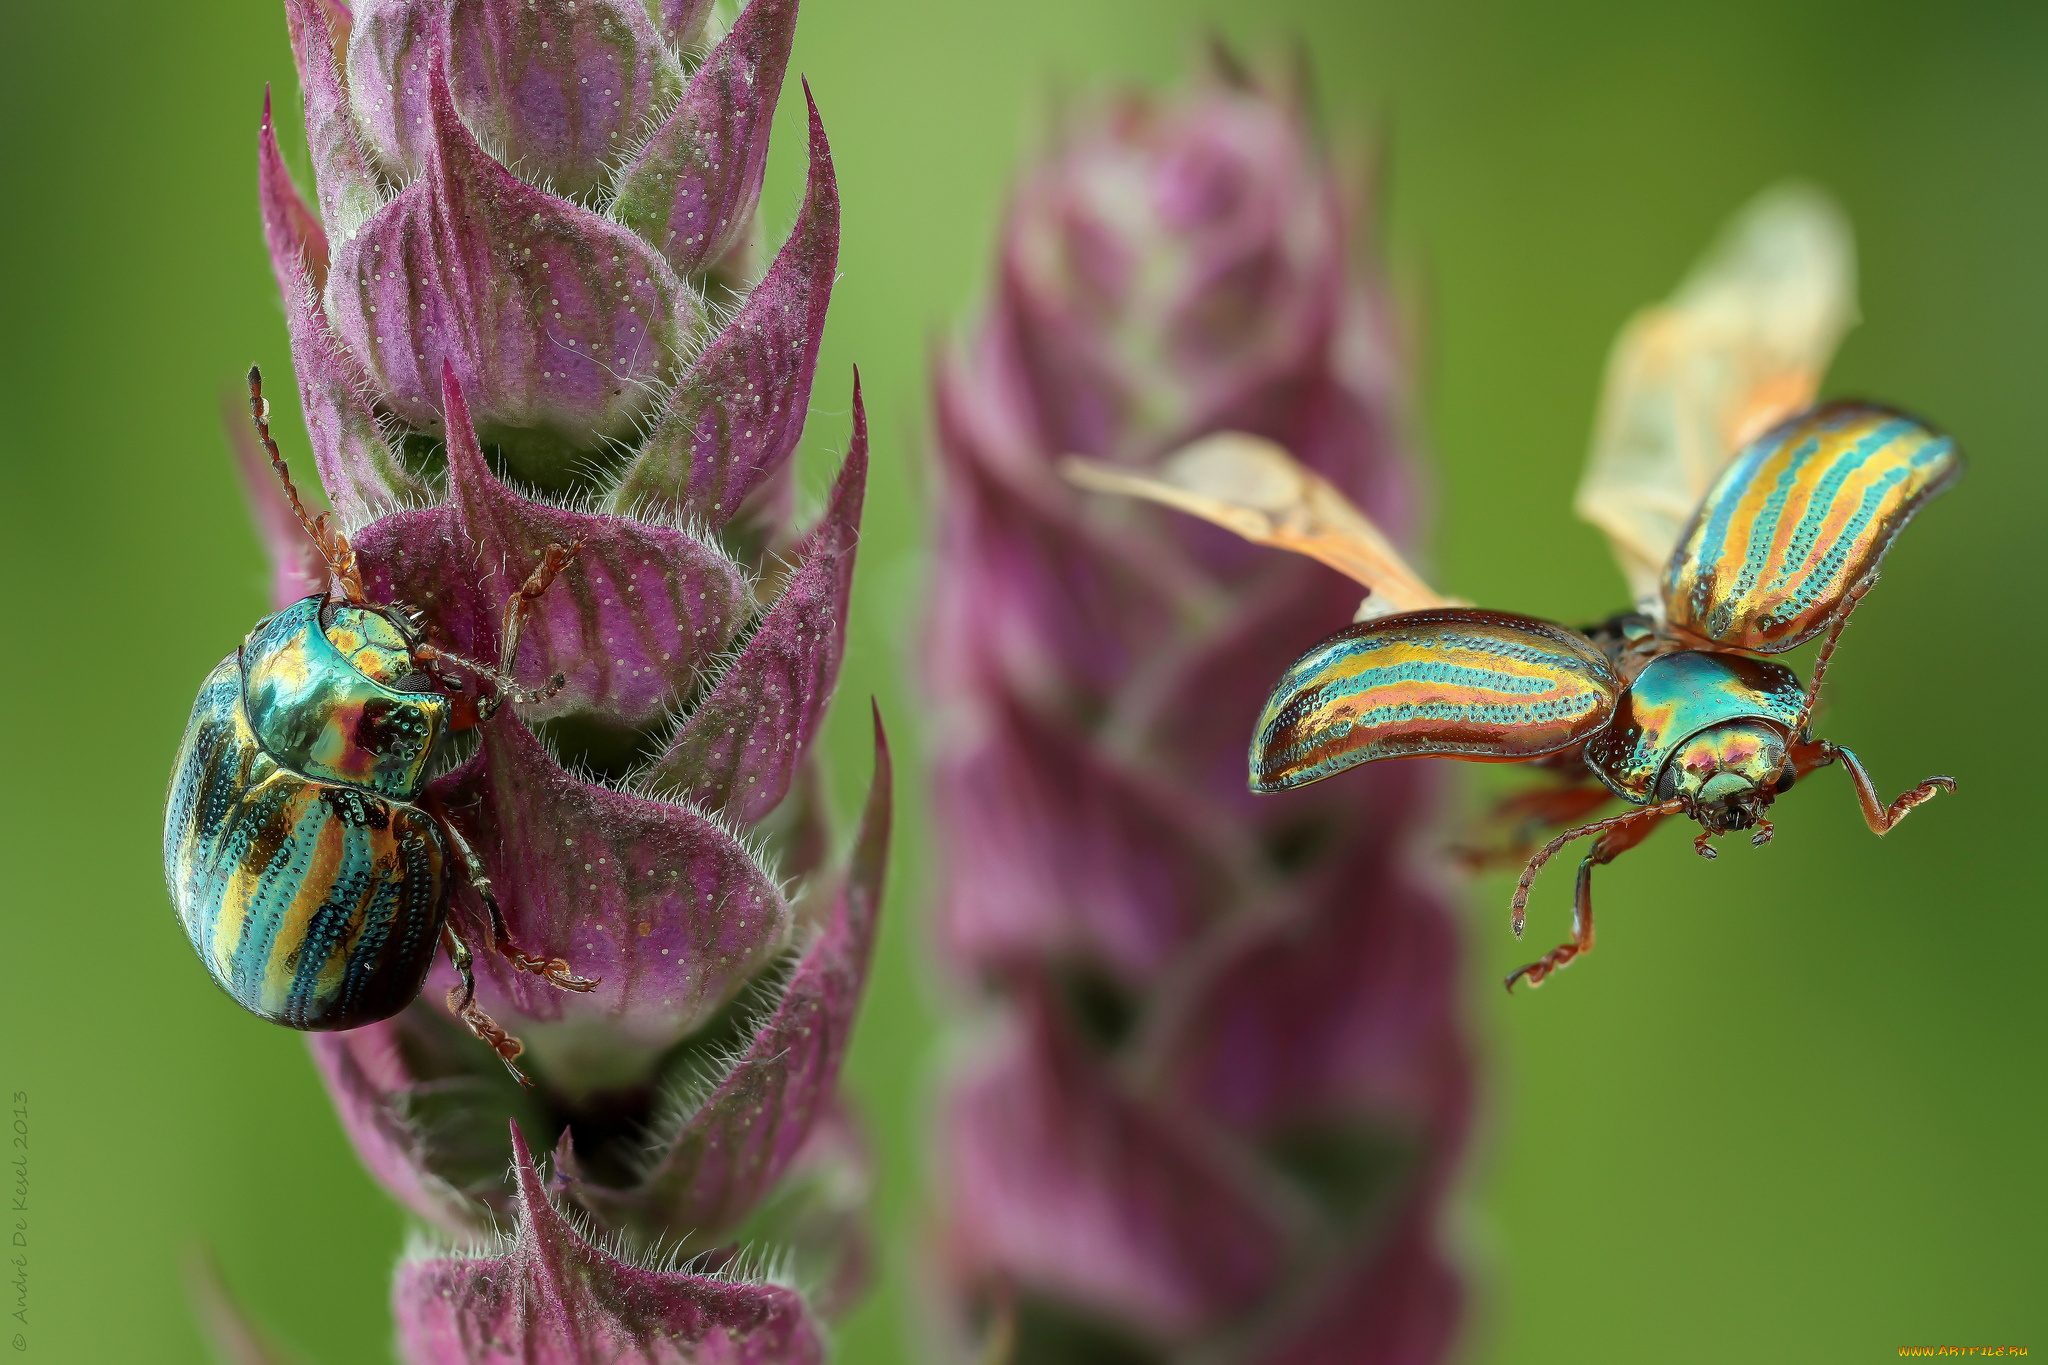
point(1785, 782)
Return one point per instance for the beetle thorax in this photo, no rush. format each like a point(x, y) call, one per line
point(327, 698)
point(1729, 773)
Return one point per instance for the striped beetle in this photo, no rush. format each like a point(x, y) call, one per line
point(307, 859)
point(1745, 520)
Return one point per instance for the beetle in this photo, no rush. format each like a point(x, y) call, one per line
point(309, 863)
point(1678, 710)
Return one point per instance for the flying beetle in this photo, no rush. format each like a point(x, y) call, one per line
point(309, 862)
point(1746, 521)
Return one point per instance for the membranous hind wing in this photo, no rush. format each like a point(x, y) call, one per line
point(1249, 485)
point(1799, 520)
point(1452, 683)
point(1740, 347)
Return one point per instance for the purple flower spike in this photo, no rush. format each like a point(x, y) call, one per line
point(549, 1296)
point(1224, 1087)
point(503, 351)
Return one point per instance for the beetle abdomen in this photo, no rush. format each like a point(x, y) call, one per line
point(1801, 516)
point(1451, 682)
point(314, 906)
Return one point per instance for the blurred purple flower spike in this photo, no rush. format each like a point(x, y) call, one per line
point(1222, 1085)
point(530, 308)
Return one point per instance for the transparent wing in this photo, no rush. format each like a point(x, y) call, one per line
point(1740, 347)
point(1251, 486)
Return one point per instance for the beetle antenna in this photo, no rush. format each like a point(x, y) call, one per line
point(1827, 650)
point(1675, 806)
point(328, 540)
point(434, 661)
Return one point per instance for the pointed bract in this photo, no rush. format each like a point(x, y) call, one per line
point(291, 230)
point(364, 477)
point(347, 181)
point(735, 417)
point(547, 1296)
point(728, 1151)
point(663, 904)
point(740, 747)
point(691, 189)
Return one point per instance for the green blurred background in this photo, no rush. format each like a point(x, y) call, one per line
point(1793, 1107)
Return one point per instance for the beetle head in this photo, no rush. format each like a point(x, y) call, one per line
point(1729, 773)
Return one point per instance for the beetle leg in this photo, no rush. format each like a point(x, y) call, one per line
point(1543, 855)
point(553, 970)
point(1616, 840)
point(1876, 814)
point(519, 606)
point(498, 683)
point(462, 1004)
point(1525, 815)
point(1582, 930)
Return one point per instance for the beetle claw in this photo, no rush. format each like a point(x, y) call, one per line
point(553, 970)
point(1703, 848)
point(462, 1004)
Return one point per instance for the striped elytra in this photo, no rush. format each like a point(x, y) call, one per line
point(1449, 682)
point(1799, 518)
point(314, 904)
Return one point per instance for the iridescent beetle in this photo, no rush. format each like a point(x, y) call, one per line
point(306, 857)
point(1674, 707)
